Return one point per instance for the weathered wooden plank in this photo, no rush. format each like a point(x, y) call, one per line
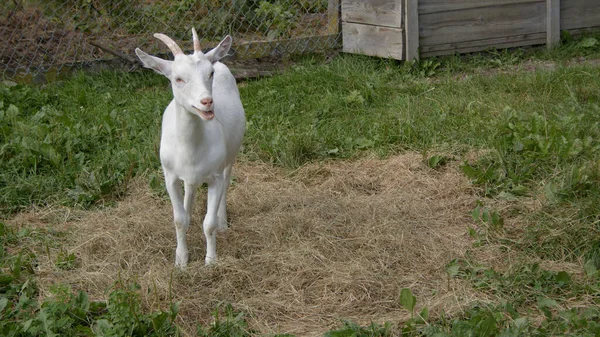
point(476, 24)
point(411, 10)
point(579, 31)
point(479, 45)
point(386, 13)
point(373, 40)
point(552, 23)
point(436, 6)
point(541, 40)
point(334, 24)
point(575, 14)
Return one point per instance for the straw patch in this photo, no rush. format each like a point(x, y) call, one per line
point(328, 241)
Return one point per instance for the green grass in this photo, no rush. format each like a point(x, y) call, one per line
point(79, 141)
point(517, 134)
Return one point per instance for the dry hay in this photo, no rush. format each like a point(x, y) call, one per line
point(326, 242)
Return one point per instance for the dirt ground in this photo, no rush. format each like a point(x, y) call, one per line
point(305, 249)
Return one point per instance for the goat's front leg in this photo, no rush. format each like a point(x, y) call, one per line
point(211, 220)
point(181, 218)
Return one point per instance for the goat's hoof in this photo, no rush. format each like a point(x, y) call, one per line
point(181, 260)
point(222, 227)
point(210, 260)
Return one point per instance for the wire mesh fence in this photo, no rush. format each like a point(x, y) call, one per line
point(45, 36)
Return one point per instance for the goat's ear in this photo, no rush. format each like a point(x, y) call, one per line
point(220, 51)
point(155, 63)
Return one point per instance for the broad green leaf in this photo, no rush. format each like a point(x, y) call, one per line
point(476, 213)
point(497, 221)
point(12, 111)
point(472, 232)
point(6, 279)
point(488, 326)
point(46, 323)
point(333, 151)
point(83, 300)
point(27, 325)
point(3, 303)
point(591, 313)
point(589, 42)
point(453, 268)
point(545, 302)
point(470, 171)
point(101, 326)
point(521, 322)
point(519, 190)
point(174, 309)
point(507, 196)
point(436, 161)
point(408, 300)
point(16, 270)
point(590, 268)
point(485, 216)
point(563, 278)
point(550, 193)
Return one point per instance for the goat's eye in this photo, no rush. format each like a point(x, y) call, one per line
point(212, 74)
point(179, 80)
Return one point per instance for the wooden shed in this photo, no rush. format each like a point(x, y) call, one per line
point(405, 29)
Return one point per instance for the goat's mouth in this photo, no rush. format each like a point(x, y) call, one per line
point(207, 115)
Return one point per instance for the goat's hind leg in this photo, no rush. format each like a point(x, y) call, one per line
point(181, 218)
point(189, 198)
point(222, 214)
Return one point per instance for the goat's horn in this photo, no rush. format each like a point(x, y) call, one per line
point(170, 43)
point(197, 48)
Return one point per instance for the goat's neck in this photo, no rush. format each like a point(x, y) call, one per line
point(190, 127)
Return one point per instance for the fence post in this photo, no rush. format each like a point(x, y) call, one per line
point(552, 23)
point(334, 13)
point(411, 28)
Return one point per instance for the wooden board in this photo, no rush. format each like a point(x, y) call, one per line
point(387, 13)
point(373, 27)
point(575, 14)
point(480, 24)
point(373, 40)
point(481, 45)
point(577, 32)
point(552, 23)
point(521, 43)
point(436, 6)
point(411, 20)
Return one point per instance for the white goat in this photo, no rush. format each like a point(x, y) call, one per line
point(202, 131)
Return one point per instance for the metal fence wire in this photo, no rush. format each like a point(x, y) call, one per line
point(44, 36)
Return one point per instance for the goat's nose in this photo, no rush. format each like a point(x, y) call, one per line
point(206, 101)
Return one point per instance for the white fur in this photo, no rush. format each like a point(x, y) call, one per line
point(196, 148)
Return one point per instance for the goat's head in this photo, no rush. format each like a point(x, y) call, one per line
point(191, 76)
